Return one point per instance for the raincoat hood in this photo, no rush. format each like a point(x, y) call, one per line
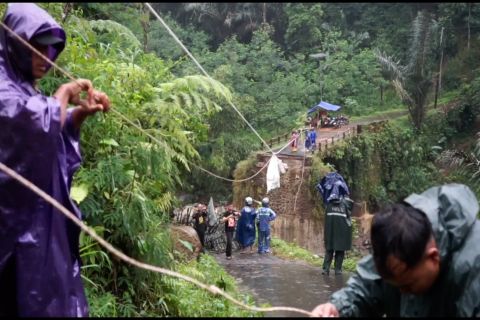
point(452, 211)
point(332, 187)
point(15, 57)
point(459, 208)
point(39, 252)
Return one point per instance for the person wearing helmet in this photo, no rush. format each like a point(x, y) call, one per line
point(230, 220)
point(40, 139)
point(264, 215)
point(246, 226)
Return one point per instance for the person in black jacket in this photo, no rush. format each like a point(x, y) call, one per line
point(200, 223)
point(230, 218)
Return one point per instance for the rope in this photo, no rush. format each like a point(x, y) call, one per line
point(68, 75)
point(204, 72)
point(245, 179)
point(211, 288)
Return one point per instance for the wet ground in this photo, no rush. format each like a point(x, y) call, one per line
point(281, 282)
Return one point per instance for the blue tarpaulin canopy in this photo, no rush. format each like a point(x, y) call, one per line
point(324, 105)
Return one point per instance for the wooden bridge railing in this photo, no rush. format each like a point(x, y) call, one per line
point(324, 144)
point(283, 138)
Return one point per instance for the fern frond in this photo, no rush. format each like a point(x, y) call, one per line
point(116, 30)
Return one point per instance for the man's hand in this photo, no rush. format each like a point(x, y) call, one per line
point(96, 101)
point(325, 310)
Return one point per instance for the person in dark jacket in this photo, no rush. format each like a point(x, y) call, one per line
point(40, 140)
point(312, 136)
point(200, 223)
point(230, 219)
point(337, 233)
point(425, 260)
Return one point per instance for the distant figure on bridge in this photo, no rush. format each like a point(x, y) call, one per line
point(312, 137)
point(425, 260)
point(264, 216)
point(337, 235)
point(308, 143)
point(294, 139)
point(230, 219)
point(246, 226)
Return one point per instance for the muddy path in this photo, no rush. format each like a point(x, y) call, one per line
point(281, 282)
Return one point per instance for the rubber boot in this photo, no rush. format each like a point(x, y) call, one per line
point(339, 255)
point(327, 261)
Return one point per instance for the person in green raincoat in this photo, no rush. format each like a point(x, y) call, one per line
point(337, 233)
point(425, 260)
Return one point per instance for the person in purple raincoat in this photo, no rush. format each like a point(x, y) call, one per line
point(39, 139)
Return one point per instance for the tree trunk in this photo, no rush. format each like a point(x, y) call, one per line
point(67, 8)
point(144, 20)
point(436, 91)
point(468, 24)
point(381, 94)
point(439, 81)
point(264, 15)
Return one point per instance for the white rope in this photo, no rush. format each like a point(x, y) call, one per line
point(204, 72)
point(245, 179)
point(211, 288)
point(68, 75)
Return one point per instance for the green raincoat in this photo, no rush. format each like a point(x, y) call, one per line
point(338, 225)
point(452, 210)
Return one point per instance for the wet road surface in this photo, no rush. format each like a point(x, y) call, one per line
point(281, 282)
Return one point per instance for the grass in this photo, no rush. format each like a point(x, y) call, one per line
point(379, 115)
point(191, 301)
point(291, 251)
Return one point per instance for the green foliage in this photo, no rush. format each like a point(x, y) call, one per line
point(187, 300)
point(3, 8)
point(109, 32)
point(304, 32)
point(162, 43)
point(292, 251)
point(413, 79)
point(386, 165)
point(127, 185)
point(79, 193)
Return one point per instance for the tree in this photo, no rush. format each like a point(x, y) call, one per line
point(304, 33)
point(413, 81)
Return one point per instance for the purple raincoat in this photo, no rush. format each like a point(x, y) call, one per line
point(39, 258)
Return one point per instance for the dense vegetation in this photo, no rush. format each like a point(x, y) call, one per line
point(273, 61)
